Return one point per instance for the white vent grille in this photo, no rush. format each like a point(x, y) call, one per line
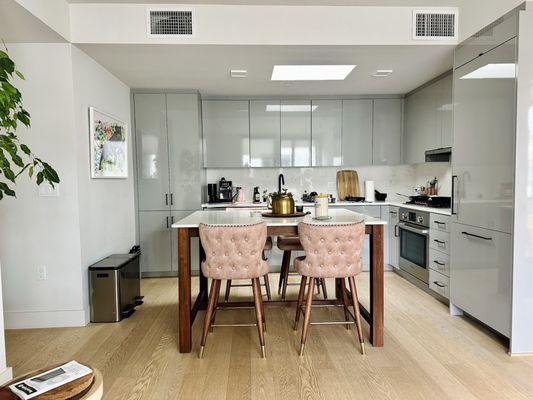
point(428, 25)
point(170, 22)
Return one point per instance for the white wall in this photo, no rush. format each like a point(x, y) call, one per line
point(44, 230)
point(89, 219)
point(54, 13)
point(522, 315)
point(107, 223)
point(243, 24)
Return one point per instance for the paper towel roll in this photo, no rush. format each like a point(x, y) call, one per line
point(369, 191)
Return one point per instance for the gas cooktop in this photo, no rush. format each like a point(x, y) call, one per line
point(431, 201)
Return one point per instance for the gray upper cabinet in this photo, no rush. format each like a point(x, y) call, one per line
point(152, 151)
point(265, 133)
point(445, 110)
point(428, 120)
point(185, 151)
point(295, 133)
point(226, 126)
point(356, 132)
point(387, 131)
point(326, 133)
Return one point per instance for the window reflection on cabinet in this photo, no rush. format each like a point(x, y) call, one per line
point(326, 133)
point(296, 133)
point(265, 133)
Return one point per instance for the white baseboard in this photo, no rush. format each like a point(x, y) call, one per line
point(45, 319)
point(6, 375)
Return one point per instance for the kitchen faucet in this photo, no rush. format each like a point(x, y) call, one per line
point(281, 181)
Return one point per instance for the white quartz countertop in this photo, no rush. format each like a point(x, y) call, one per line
point(441, 211)
point(246, 217)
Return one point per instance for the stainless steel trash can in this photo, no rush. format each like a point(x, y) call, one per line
point(114, 287)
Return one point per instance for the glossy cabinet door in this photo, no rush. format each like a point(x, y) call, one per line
point(295, 133)
point(445, 111)
point(394, 239)
point(265, 133)
point(185, 151)
point(152, 151)
point(154, 233)
point(356, 132)
point(226, 126)
point(484, 135)
point(481, 275)
point(195, 243)
point(387, 131)
point(326, 133)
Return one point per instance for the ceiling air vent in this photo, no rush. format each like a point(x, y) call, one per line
point(434, 25)
point(166, 22)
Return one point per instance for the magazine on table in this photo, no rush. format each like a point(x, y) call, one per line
point(48, 380)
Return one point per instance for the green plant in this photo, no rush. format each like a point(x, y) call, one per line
point(12, 114)
point(283, 193)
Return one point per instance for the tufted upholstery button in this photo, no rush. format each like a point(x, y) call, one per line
point(316, 251)
point(226, 253)
point(240, 254)
point(337, 240)
point(342, 252)
point(232, 240)
point(322, 240)
point(329, 252)
point(321, 265)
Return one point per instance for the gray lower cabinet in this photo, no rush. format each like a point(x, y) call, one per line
point(295, 133)
point(326, 133)
point(265, 133)
point(226, 127)
point(393, 235)
point(152, 151)
point(356, 132)
point(154, 233)
point(387, 131)
point(481, 275)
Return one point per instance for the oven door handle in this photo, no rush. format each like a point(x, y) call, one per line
point(414, 230)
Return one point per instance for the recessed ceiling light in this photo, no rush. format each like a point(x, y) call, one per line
point(493, 71)
point(290, 107)
point(238, 73)
point(311, 72)
point(382, 73)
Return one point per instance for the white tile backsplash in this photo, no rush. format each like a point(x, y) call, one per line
point(388, 179)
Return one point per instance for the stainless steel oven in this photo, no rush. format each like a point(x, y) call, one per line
point(414, 243)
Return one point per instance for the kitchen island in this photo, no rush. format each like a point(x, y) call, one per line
point(188, 228)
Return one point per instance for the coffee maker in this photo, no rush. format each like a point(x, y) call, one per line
point(225, 190)
point(212, 193)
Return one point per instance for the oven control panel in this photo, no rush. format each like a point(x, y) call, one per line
point(415, 217)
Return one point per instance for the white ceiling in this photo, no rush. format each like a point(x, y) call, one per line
point(375, 3)
point(207, 67)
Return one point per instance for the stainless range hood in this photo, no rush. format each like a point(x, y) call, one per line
point(443, 154)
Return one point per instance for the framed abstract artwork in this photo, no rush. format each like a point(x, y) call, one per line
point(109, 145)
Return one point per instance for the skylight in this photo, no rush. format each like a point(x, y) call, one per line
point(311, 72)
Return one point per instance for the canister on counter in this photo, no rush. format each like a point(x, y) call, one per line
point(321, 205)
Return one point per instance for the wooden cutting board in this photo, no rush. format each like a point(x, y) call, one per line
point(347, 184)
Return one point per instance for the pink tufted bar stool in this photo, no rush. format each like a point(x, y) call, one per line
point(234, 252)
point(331, 251)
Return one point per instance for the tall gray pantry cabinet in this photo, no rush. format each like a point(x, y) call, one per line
point(170, 174)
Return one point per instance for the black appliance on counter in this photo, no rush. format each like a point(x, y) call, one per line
point(221, 193)
point(430, 201)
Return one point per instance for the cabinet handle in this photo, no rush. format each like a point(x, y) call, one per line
point(393, 212)
point(439, 263)
point(441, 285)
point(396, 231)
point(476, 236)
point(166, 199)
point(167, 222)
point(171, 199)
point(172, 220)
point(454, 177)
point(440, 223)
point(439, 241)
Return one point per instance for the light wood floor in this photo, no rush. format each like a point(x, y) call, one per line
point(427, 354)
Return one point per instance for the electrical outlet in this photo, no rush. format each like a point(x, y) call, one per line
point(41, 273)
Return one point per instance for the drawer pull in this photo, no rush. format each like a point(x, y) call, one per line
point(439, 241)
point(393, 212)
point(440, 223)
point(441, 285)
point(439, 263)
point(476, 236)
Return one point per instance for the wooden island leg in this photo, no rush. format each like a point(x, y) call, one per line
point(377, 290)
point(184, 290)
